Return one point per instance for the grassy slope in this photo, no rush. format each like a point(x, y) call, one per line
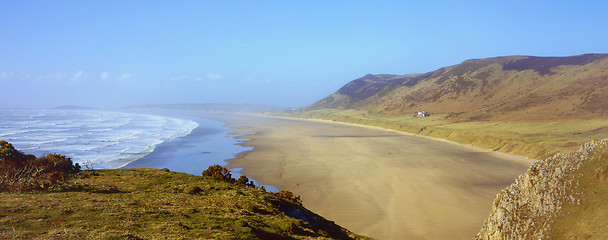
point(156, 204)
point(529, 106)
point(484, 89)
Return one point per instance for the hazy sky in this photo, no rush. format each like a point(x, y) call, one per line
point(284, 53)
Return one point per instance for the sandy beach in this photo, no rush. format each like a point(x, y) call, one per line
point(380, 183)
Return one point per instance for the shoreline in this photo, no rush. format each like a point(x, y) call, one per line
point(217, 144)
point(396, 186)
point(208, 144)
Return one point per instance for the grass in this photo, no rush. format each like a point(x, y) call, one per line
point(157, 204)
point(587, 219)
point(528, 106)
point(532, 139)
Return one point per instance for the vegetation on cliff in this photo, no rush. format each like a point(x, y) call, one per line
point(21, 172)
point(529, 106)
point(158, 204)
point(511, 87)
point(560, 197)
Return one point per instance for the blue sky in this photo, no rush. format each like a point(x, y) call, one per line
point(286, 53)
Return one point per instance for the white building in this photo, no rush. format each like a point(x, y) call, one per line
point(423, 114)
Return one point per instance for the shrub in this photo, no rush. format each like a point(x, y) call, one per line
point(219, 172)
point(55, 167)
point(20, 172)
point(289, 196)
point(224, 174)
point(11, 157)
point(244, 182)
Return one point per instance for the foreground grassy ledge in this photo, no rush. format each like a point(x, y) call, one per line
point(157, 204)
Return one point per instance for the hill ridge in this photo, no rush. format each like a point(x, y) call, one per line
point(484, 88)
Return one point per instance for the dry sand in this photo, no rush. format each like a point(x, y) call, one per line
point(375, 182)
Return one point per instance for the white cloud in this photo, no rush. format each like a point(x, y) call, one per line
point(125, 76)
point(5, 76)
point(77, 76)
point(54, 76)
point(253, 81)
point(188, 78)
point(180, 78)
point(214, 76)
point(104, 76)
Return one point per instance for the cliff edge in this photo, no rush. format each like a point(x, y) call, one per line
point(562, 196)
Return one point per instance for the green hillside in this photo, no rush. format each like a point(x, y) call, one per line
point(530, 106)
point(513, 87)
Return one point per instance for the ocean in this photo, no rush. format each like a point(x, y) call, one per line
point(210, 143)
point(106, 139)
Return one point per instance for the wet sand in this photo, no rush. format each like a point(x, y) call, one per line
point(375, 182)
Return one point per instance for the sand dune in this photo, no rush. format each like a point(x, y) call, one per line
point(375, 182)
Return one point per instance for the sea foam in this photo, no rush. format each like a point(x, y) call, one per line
point(101, 139)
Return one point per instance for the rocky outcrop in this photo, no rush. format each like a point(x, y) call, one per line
point(526, 209)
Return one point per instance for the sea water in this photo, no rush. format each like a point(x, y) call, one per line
point(99, 139)
point(209, 144)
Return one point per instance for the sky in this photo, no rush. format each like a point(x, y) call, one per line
point(284, 53)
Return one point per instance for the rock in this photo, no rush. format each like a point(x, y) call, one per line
point(525, 209)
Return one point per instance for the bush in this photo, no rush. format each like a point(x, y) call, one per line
point(11, 157)
point(20, 172)
point(244, 182)
point(219, 172)
point(224, 174)
point(288, 195)
point(55, 167)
